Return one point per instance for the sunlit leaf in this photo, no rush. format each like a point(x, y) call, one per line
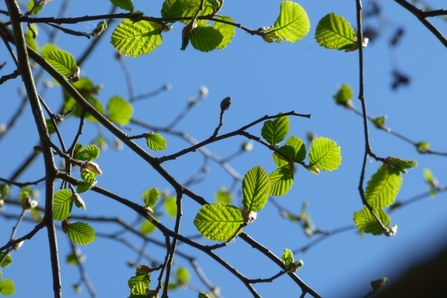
point(63, 203)
point(183, 275)
point(294, 148)
point(119, 110)
point(255, 188)
point(150, 197)
point(383, 187)
point(218, 222)
point(89, 180)
point(274, 131)
point(187, 8)
point(156, 141)
point(6, 260)
point(344, 95)
point(124, 4)
point(224, 196)
point(281, 181)
point(89, 152)
point(422, 147)
point(292, 23)
point(147, 227)
point(287, 257)
point(62, 61)
point(35, 7)
point(334, 32)
point(206, 38)
point(366, 222)
point(30, 37)
point(139, 283)
point(81, 233)
point(226, 30)
point(170, 205)
point(325, 154)
point(7, 287)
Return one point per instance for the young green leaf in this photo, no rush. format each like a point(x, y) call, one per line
point(62, 61)
point(294, 148)
point(255, 188)
point(7, 260)
point(334, 32)
point(206, 38)
point(34, 7)
point(343, 95)
point(292, 23)
point(81, 233)
point(136, 39)
point(281, 181)
point(124, 4)
point(63, 202)
point(170, 205)
point(139, 283)
point(325, 154)
point(155, 141)
point(89, 180)
point(274, 131)
point(226, 30)
point(401, 164)
point(30, 37)
point(287, 257)
point(366, 222)
point(4, 191)
point(150, 197)
point(89, 152)
point(183, 275)
point(7, 287)
point(147, 228)
point(50, 126)
point(218, 222)
point(383, 187)
point(224, 196)
point(120, 110)
point(379, 121)
point(422, 147)
point(185, 9)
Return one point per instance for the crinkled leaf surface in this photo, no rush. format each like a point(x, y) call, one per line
point(156, 141)
point(81, 233)
point(150, 197)
point(89, 152)
point(383, 187)
point(325, 154)
point(292, 23)
point(63, 203)
point(274, 131)
point(206, 38)
point(365, 221)
point(255, 189)
point(334, 32)
point(62, 61)
point(187, 8)
point(281, 180)
point(226, 30)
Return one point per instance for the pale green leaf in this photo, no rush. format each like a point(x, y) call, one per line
point(281, 181)
point(89, 180)
point(287, 257)
point(226, 30)
point(334, 32)
point(325, 154)
point(422, 147)
point(156, 141)
point(124, 4)
point(218, 222)
point(292, 23)
point(224, 196)
point(170, 205)
point(81, 233)
point(343, 95)
point(135, 39)
point(120, 110)
point(183, 275)
point(150, 197)
point(186, 8)
point(30, 39)
point(255, 189)
point(63, 203)
point(89, 152)
point(139, 283)
point(274, 131)
point(366, 222)
point(4, 191)
point(383, 187)
point(62, 61)
point(147, 227)
point(206, 38)
point(7, 287)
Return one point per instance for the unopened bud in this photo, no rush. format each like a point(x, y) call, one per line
point(65, 225)
point(225, 104)
point(92, 167)
point(79, 202)
point(144, 269)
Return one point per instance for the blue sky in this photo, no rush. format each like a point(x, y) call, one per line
point(261, 79)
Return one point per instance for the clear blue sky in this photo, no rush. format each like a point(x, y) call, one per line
point(261, 79)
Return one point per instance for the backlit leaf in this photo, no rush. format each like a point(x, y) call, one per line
point(124, 4)
point(255, 188)
point(206, 38)
point(343, 95)
point(325, 154)
point(7, 287)
point(292, 23)
point(63, 203)
point(274, 131)
point(383, 187)
point(156, 141)
point(81, 233)
point(150, 197)
point(89, 152)
point(62, 61)
point(187, 8)
point(119, 110)
point(334, 32)
point(365, 221)
point(281, 180)
point(226, 30)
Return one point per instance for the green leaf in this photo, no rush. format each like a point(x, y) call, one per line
point(147, 228)
point(294, 148)
point(62, 61)
point(224, 196)
point(89, 180)
point(50, 126)
point(274, 131)
point(334, 32)
point(255, 189)
point(206, 38)
point(226, 30)
point(218, 222)
point(287, 257)
point(7, 287)
point(120, 110)
point(30, 39)
point(156, 141)
point(281, 181)
point(343, 95)
point(171, 206)
point(81, 233)
point(422, 147)
point(365, 221)
point(401, 164)
point(186, 8)
point(90, 152)
point(63, 203)
point(136, 39)
point(379, 122)
point(325, 154)
point(150, 197)
point(7, 261)
point(383, 187)
point(139, 283)
point(292, 23)
point(36, 6)
point(124, 4)
point(183, 275)
point(4, 191)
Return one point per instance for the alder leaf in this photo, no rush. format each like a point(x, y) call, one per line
point(7, 287)
point(383, 187)
point(81, 233)
point(255, 189)
point(150, 197)
point(218, 222)
point(281, 181)
point(187, 8)
point(156, 141)
point(62, 204)
point(366, 222)
point(334, 32)
point(62, 61)
point(274, 131)
point(124, 4)
point(294, 148)
point(226, 30)
point(325, 154)
point(292, 23)
point(136, 39)
point(343, 95)
point(119, 110)
point(89, 152)
point(206, 38)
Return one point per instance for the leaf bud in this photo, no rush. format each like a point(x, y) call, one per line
point(79, 202)
point(92, 167)
point(225, 104)
point(144, 269)
point(65, 225)
point(247, 146)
